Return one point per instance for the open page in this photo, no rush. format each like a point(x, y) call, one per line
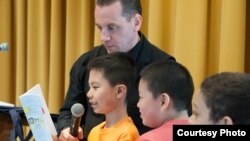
point(37, 114)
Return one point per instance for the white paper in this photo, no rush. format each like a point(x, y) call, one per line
point(37, 114)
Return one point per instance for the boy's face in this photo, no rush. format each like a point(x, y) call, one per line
point(150, 108)
point(117, 33)
point(200, 111)
point(102, 96)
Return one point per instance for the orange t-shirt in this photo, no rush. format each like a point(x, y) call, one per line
point(124, 130)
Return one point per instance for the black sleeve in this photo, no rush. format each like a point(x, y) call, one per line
point(75, 94)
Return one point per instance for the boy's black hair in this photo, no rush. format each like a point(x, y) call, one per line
point(228, 94)
point(172, 78)
point(117, 68)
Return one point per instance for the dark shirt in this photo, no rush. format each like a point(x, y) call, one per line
point(143, 53)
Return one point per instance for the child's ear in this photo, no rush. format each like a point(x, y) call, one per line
point(164, 99)
point(121, 91)
point(226, 120)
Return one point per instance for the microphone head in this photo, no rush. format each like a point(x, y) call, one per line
point(77, 110)
point(4, 46)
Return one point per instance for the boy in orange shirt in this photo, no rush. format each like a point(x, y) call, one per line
point(110, 79)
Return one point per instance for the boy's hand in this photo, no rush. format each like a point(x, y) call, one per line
point(66, 136)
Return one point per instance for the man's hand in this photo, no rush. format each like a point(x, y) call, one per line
point(66, 136)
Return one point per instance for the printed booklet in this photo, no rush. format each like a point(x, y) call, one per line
point(37, 114)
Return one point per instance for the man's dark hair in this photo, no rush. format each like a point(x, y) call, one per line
point(228, 94)
point(129, 7)
point(117, 68)
point(171, 78)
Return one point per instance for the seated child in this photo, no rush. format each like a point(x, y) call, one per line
point(223, 98)
point(110, 78)
point(165, 91)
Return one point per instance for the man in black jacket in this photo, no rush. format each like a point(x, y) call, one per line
point(119, 22)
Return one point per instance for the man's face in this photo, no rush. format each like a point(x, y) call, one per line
point(117, 32)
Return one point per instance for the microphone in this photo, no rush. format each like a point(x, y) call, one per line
point(77, 111)
point(4, 46)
